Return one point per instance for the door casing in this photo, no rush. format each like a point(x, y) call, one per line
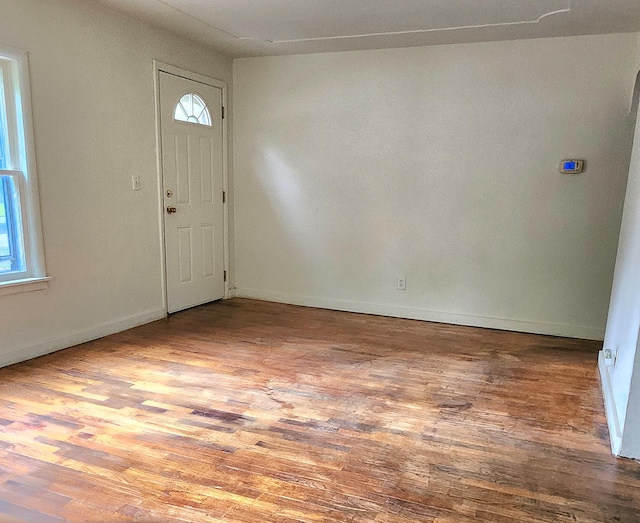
point(177, 71)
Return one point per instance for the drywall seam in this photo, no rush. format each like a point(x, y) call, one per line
point(418, 31)
point(78, 337)
point(395, 311)
point(615, 434)
point(563, 10)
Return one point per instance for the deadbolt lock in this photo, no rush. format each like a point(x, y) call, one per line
point(171, 210)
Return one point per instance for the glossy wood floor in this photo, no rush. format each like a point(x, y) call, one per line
point(245, 411)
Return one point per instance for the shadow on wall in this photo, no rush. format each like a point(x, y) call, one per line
point(633, 110)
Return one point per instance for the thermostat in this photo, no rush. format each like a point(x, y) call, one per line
point(571, 166)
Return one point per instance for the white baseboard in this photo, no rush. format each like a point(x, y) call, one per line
point(76, 338)
point(615, 432)
point(394, 311)
point(233, 293)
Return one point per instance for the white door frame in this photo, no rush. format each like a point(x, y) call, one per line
point(159, 67)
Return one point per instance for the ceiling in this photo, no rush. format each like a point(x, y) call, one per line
point(273, 27)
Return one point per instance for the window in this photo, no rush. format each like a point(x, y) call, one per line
point(11, 238)
point(21, 254)
point(191, 108)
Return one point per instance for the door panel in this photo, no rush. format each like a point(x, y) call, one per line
point(206, 181)
point(192, 185)
point(185, 254)
point(182, 168)
point(208, 252)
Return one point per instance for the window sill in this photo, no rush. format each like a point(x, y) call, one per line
point(26, 285)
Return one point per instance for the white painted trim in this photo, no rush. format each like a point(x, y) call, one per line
point(615, 432)
point(34, 220)
point(394, 311)
point(196, 77)
point(26, 285)
point(233, 293)
point(189, 75)
point(75, 338)
point(225, 188)
point(163, 261)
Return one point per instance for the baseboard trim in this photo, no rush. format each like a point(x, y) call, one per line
point(233, 293)
point(394, 311)
point(78, 337)
point(615, 432)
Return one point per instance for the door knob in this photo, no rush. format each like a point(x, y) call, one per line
point(171, 210)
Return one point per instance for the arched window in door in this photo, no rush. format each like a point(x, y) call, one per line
point(192, 109)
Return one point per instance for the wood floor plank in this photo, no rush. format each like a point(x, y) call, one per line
point(246, 411)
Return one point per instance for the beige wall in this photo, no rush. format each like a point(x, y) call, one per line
point(93, 106)
point(440, 165)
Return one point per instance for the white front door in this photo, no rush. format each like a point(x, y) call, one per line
point(192, 167)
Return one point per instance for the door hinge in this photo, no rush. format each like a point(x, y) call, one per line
point(223, 112)
point(225, 275)
point(224, 197)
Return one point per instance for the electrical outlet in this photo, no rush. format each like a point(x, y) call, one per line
point(610, 357)
point(402, 284)
point(135, 182)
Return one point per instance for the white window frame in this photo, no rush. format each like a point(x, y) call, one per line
point(22, 169)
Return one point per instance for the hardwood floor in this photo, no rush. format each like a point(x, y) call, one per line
point(246, 411)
